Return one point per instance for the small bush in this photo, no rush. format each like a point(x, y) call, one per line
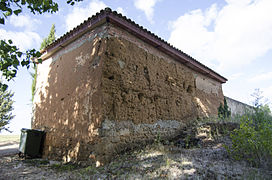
point(223, 110)
point(253, 140)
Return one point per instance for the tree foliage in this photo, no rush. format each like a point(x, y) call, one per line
point(9, 7)
point(5, 109)
point(50, 38)
point(34, 81)
point(259, 99)
point(223, 110)
point(11, 58)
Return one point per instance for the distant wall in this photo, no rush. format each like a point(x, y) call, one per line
point(237, 107)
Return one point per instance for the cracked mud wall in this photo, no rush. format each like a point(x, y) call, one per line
point(144, 88)
point(143, 85)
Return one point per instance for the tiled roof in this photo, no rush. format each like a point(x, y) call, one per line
point(107, 15)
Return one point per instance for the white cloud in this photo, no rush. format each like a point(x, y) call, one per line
point(261, 77)
point(224, 38)
point(79, 14)
point(190, 32)
point(25, 21)
point(121, 10)
point(235, 76)
point(147, 6)
point(24, 40)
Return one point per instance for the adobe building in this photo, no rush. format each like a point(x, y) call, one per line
point(109, 84)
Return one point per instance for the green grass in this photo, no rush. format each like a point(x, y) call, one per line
point(64, 167)
point(9, 138)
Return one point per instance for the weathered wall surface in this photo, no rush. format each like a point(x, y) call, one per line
point(147, 93)
point(208, 96)
point(108, 91)
point(149, 85)
point(237, 107)
point(68, 98)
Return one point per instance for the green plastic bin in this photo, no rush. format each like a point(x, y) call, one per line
point(31, 142)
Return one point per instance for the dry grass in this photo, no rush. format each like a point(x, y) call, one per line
point(9, 138)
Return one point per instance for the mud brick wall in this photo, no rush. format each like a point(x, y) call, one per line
point(108, 91)
point(68, 98)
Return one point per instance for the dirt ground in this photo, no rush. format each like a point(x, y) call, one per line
point(209, 160)
point(9, 144)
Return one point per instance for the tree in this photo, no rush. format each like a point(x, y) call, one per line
point(261, 108)
point(5, 109)
point(46, 41)
point(50, 38)
point(259, 98)
point(11, 58)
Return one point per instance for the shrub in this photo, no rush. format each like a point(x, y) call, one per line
point(223, 110)
point(253, 140)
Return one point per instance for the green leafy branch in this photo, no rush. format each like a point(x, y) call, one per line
point(11, 58)
point(9, 7)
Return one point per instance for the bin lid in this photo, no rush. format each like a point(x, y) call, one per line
point(27, 130)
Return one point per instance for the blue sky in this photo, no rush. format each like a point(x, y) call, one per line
point(233, 37)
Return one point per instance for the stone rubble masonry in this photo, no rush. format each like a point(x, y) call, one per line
point(108, 91)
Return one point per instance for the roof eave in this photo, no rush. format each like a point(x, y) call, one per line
point(74, 34)
point(138, 31)
point(166, 48)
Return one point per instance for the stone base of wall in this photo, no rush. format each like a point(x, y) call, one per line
point(120, 136)
point(114, 138)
